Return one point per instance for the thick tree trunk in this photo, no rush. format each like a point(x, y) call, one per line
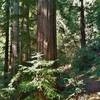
point(82, 25)
point(46, 35)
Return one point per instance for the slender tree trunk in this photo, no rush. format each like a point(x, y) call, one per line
point(25, 31)
point(22, 29)
point(28, 32)
point(82, 25)
point(6, 66)
point(15, 35)
point(46, 35)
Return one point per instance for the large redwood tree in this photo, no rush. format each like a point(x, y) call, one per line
point(46, 29)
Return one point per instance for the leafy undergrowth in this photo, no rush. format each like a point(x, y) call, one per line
point(72, 83)
point(39, 80)
point(80, 85)
point(1, 76)
point(33, 83)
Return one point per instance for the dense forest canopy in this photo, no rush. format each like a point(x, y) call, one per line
point(49, 49)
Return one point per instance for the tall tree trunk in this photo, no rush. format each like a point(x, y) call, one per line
point(46, 35)
point(28, 32)
point(21, 30)
point(25, 31)
point(6, 66)
point(82, 25)
point(15, 35)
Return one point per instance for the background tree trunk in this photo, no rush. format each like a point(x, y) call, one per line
point(28, 32)
point(6, 65)
point(25, 25)
point(15, 35)
point(82, 25)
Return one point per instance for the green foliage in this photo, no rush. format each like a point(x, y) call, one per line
point(83, 60)
point(2, 42)
point(75, 87)
point(94, 44)
point(97, 10)
point(6, 93)
point(39, 77)
point(63, 58)
point(67, 30)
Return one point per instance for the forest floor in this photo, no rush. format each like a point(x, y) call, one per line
point(95, 96)
point(91, 79)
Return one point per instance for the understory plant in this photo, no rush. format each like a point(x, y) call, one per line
point(37, 82)
point(83, 60)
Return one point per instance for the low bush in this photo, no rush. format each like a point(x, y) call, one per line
point(35, 82)
point(84, 59)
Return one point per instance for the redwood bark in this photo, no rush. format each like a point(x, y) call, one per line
point(46, 35)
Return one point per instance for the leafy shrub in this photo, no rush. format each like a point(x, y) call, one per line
point(40, 77)
point(83, 60)
point(63, 59)
point(94, 44)
point(75, 87)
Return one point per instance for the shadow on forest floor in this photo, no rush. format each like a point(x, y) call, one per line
point(90, 82)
